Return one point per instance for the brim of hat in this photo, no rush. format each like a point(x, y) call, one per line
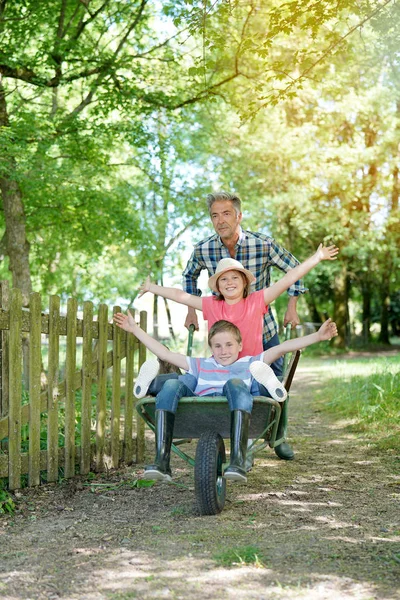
point(212, 282)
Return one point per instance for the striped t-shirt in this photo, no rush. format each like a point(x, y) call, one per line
point(211, 376)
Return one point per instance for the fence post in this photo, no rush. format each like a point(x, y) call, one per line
point(86, 387)
point(4, 349)
point(102, 387)
point(116, 393)
point(70, 366)
point(52, 397)
point(140, 428)
point(35, 364)
point(129, 368)
point(14, 419)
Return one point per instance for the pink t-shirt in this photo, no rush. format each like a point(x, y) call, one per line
point(247, 315)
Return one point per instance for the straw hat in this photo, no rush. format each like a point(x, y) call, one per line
point(228, 264)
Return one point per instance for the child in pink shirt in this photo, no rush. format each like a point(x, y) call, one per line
point(234, 302)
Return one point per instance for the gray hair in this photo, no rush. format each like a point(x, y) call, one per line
point(218, 196)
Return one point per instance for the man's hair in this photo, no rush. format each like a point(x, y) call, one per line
point(224, 327)
point(246, 288)
point(218, 196)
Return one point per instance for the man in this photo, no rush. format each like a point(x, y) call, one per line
point(258, 253)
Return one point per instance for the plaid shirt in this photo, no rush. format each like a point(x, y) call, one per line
point(257, 253)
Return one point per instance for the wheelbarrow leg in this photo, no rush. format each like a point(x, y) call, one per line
point(284, 450)
point(239, 436)
point(161, 470)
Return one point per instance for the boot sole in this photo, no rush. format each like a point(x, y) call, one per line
point(157, 476)
point(265, 375)
point(148, 372)
point(235, 477)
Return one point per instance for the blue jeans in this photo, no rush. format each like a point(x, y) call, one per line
point(276, 366)
point(235, 390)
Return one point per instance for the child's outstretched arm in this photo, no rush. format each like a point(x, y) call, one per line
point(322, 253)
point(127, 323)
point(171, 294)
point(327, 331)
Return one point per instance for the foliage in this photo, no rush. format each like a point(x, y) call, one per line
point(61, 420)
point(370, 401)
point(7, 505)
point(120, 116)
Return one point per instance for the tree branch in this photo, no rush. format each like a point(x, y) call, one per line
point(326, 53)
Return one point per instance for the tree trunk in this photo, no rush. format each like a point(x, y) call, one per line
point(312, 307)
point(385, 303)
point(155, 317)
point(340, 313)
point(17, 245)
point(366, 312)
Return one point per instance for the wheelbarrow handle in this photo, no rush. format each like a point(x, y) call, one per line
point(190, 340)
point(288, 333)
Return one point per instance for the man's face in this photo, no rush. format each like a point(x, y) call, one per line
point(225, 348)
point(225, 220)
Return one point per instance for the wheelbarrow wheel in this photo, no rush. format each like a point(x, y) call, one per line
point(209, 483)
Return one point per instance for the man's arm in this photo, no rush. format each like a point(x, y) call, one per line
point(327, 331)
point(189, 284)
point(127, 323)
point(291, 315)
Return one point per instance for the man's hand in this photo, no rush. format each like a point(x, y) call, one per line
point(192, 319)
point(327, 252)
point(291, 315)
point(327, 331)
point(145, 287)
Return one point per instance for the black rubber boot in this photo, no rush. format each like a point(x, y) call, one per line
point(284, 451)
point(239, 436)
point(164, 433)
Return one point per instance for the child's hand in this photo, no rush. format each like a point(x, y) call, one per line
point(126, 322)
point(327, 330)
point(327, 252)
point(145, 287)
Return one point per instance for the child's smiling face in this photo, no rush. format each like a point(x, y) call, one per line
point(225, 348)
point(231, 285)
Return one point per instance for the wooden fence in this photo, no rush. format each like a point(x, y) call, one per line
point(96, 430)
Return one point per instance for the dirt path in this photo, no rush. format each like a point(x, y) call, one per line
point(326, 525)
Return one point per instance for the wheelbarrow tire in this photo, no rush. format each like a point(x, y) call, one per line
point(209, 483)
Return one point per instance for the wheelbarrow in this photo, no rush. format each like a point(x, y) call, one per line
point(208, 420)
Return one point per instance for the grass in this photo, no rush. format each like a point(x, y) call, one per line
point(366, 392)
point(242, 556)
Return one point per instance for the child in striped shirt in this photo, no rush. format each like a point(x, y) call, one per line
point(233, 302)
point(223, 374)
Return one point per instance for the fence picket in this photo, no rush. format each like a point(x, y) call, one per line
point(140, 429)
point(116, 393)
point(16, 417)
point(129, 370)
point(52, 390)
point(86, 387)
point(5, 366)
point(35, 365)
point(102, 387)
point(15, 378)
point(70, 366)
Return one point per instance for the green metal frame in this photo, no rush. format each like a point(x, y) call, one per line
point(266, 431)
